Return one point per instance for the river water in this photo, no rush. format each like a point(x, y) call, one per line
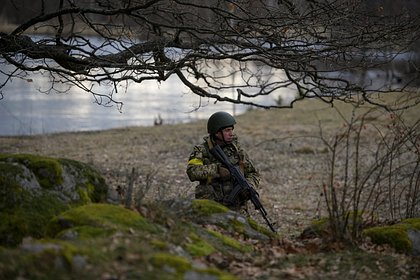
point(26, 110)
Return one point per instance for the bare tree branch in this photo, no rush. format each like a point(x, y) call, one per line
point(319, 48)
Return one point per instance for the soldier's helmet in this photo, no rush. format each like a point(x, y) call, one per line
point(218, 121)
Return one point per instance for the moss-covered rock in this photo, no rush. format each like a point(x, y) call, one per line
point(84, 180)
point(97, 241)
point(205, 207)
point(35, 188)
point(401, 236)
point(93, 220)
point(413, 223)
point(198, 246)
point(395, 235)
point(28, 218)
point(48, 171)
point(230, 242)
point(210, 212)
point(104, 241)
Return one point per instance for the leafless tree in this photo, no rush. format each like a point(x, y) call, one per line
point(321, 48)
point(373, 166)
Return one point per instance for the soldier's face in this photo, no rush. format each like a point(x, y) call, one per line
point(226, 134)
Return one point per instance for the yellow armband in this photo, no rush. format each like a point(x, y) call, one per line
point(195, 161)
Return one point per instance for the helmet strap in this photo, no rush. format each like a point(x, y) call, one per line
point(218, 139)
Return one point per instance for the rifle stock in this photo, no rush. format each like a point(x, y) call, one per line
point(242, 184)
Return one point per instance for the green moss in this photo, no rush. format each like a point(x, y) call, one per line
point(198, 246)
point(395, 235)
point(11, 193)
point(90, 190)
point(28, 218)
point(85, 192)
point(159, 244)
point(25, 208)
point(228, 241)
point(61, 248)
point(261, 229)
point(414, 223)
point(320, 226)
point(180, 264)
point(83, 195)
point(207, 207)
point(93, 188)
point(238, 226)
point(48, 171)
point(13, 228)
point(85, 232)
point(100, 215)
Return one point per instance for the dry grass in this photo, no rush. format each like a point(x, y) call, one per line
point(283, 144)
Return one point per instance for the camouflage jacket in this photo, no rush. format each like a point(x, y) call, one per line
point(203, 167)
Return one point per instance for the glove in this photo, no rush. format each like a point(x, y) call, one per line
point(223, 173)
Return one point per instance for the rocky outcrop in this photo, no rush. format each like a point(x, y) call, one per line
point(34, 188)
point(177, 239)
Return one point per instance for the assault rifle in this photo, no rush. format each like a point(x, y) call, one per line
point(241, 186)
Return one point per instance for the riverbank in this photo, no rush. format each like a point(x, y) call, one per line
point(283, 144)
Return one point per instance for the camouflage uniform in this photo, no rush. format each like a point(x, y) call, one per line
point(203, 167)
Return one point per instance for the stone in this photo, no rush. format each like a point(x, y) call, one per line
point(34, 188)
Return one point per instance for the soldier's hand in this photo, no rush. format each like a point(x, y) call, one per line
point(224, 173)
point(245, 195)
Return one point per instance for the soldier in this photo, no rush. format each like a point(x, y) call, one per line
point(215, 179)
